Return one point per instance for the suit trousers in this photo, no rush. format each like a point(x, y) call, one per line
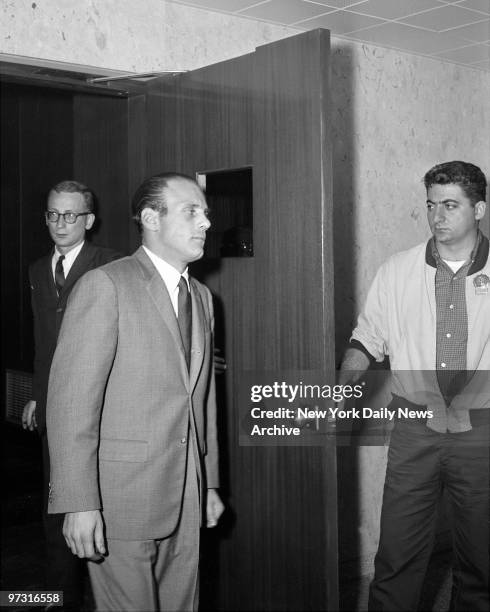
point(64, 570)
point(420, 463)
point(154, 575)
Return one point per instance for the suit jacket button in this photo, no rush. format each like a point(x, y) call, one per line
point(59, 310)
point(183, 440)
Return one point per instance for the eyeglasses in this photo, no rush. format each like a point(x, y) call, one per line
point(69, 217)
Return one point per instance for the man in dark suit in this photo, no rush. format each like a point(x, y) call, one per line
point(133, 439)
point(69, 214)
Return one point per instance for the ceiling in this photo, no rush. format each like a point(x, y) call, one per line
point(456, 31)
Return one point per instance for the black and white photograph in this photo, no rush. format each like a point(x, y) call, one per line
point(245, 290)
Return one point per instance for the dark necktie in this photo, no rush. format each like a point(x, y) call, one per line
point(185, 318)
point(59, 274)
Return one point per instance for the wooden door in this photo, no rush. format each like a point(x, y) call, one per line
point(269, 111)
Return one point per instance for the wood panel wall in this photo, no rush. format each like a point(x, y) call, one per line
point(277, 548)
point(101, 157)
point(47, 136)
point(36, 146)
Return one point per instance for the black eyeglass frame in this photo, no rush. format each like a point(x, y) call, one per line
point(53, 213)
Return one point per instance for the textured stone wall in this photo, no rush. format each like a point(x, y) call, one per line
point(394, 116)
point(129, 35)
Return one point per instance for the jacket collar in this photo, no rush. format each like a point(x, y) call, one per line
point(78, 268)
point(479, 256)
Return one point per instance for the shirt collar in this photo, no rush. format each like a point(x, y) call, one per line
point(70, 256)
point(170, 275)
point(478, 257)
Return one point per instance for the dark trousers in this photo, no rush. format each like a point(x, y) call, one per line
point(420, 463)
point(64, 571)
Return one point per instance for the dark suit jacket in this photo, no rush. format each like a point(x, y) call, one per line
point(48, 310)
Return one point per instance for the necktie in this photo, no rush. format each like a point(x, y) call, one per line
point(185, 318)
point(59, 274)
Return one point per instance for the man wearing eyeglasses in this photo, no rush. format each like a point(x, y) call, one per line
point(69, 214)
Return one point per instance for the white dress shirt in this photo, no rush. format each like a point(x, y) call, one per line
point(69, 258)
point(171, 277)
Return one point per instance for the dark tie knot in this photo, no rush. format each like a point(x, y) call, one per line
point(183, 287)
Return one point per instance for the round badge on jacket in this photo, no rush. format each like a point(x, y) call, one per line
point(482, 284)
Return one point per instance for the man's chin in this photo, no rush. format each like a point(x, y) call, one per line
point(442, 236)
point(198, 254)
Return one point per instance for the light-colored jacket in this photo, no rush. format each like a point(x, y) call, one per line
point(399, 319)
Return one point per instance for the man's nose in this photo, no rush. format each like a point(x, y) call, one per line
point(61, 221)
point(205, 223)
point(439, 213)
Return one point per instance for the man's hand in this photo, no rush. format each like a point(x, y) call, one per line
point(29, 416)
point(219, 362)
point(84, 534)
point(214, 508)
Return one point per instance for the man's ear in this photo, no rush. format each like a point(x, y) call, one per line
point(150, 219)
point(480, 208)
point(89, 221)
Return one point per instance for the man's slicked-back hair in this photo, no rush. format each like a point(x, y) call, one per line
point(76, 187)
point(468, 176)
point(152, 194)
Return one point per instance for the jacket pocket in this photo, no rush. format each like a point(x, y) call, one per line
point(112, 449)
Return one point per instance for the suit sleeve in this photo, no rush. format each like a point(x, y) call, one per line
point(211, 460)
point(36, 383)
point(79, 372)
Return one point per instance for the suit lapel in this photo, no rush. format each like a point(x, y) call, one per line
point(159, 294)
point(79, 266)
point(48, 280)
point(198, 337)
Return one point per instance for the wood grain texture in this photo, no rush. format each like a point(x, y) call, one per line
point(11, 264)
point(136, 157)
point(101, 160)
point(204, 117)
point(277, 548)
point(294, 293)
point(49, 136)
point(36, 147)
